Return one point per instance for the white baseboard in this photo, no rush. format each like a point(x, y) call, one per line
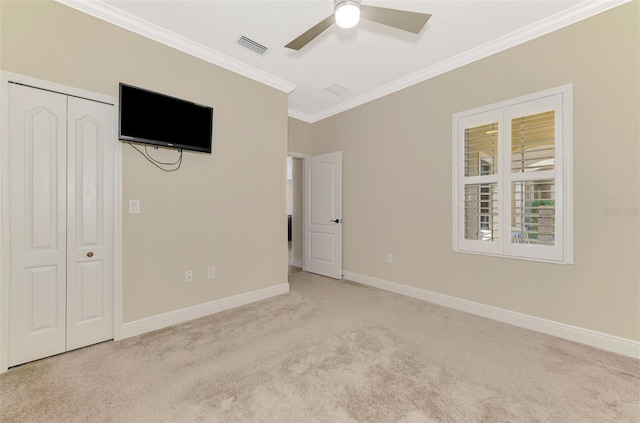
point(161, 321)
point(604, 341)
point(296, 262)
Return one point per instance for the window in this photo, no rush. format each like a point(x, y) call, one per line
point(512, 174)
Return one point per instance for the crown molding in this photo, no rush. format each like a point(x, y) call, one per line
point(131, 23)
point(300, 116)
point(570, 16)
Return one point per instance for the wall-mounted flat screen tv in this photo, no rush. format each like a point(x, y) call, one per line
point(152, 118)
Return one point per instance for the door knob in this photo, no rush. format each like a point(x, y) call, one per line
point(89, 254)
point(336, 221)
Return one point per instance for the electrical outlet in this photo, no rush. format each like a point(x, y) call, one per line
point(188, 276)
point(389, 258)
point(211, 272)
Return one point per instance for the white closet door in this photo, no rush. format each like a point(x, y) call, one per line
point(38, 151)
point(90, 214)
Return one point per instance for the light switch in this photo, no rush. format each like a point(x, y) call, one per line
point(134, 206)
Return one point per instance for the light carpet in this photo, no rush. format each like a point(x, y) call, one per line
point(329, 351)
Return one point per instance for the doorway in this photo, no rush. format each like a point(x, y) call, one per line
point(294, 208)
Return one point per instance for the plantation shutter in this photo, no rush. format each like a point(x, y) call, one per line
point(479, 215)
point(512, 180)
point(534, 172)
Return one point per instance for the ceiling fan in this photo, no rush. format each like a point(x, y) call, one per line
point(348, 13)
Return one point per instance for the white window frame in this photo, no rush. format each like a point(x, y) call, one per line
point(559, 99)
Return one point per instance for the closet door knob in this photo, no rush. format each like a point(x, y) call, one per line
point(89, 254)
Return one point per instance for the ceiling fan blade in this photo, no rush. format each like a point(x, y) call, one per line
point(401, 19)
point(308, 36)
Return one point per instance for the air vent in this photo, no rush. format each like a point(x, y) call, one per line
point(337, 89)
point(252, 45)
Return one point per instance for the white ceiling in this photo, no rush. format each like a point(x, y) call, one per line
point(371, 59)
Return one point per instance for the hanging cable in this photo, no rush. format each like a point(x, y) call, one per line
point(157, 163)
point(162, 163)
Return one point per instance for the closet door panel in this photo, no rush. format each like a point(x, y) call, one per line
point(91, 143)
point(37, 179)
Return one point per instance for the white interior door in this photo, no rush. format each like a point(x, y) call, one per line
point(37, 179)
point(322, 215)
point(90, 194)
point(62, 223)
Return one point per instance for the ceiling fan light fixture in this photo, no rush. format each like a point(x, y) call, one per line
point(347, 13)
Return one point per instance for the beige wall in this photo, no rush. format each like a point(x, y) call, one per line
point(397, 178)
point(225, 209)
point(299, 136)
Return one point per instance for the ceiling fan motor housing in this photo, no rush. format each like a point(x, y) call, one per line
point(347, 13)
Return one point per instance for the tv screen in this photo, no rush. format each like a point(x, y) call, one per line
point(151, 118)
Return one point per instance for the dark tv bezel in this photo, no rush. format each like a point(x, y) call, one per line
point(158, 142)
